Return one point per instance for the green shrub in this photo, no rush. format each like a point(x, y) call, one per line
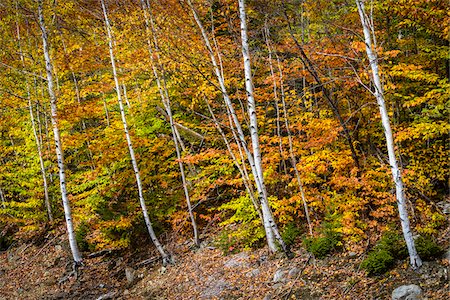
point(427, 248)
point(80, 236)
point(393, 243)
point(323, 245)
point(378, 262)
point(328, 241)
point(290, 233)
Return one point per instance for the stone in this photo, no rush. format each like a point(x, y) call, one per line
point(279, 276)
point(277, 286)
point(268, 297)
point(352, 254)
point(238, 260)
point(58, 248)
point(293, 272)
point(214, 289)
point(253, 273)
point(130, 274)
point(407, 292)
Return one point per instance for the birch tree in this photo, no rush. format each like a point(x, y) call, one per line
point(58, 145)
point(269, 222)
point(270, 227)
point(370, 41)
point(165, 256)
point(164, 94)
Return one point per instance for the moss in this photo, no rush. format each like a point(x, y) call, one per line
point(427, 248)
point(378, 262)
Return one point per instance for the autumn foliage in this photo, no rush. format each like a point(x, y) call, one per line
point(354, 193)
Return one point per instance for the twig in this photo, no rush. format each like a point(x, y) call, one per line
point(100, 253)
point(148, 261)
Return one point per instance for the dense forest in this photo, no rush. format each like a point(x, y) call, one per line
point(286, 125)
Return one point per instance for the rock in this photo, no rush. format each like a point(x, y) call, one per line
point(238, 260)
point(407, 292)
point(215, 288)
point(277, 286)
point(293, 272)
point(268, 297)
point(107, 296)
point(58, 248)
point(253, 273)
point(352, 254)
point(279, 276)
point(130, 274)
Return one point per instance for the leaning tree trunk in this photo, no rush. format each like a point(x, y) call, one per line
point(269, 222)
point(164, 94)
point(58, 146)
point(164, 255)
point(240, 133)
point(286, 122)
point(415, 260)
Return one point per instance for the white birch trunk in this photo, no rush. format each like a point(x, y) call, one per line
point(415, 260)
point(150, 30)
point(269, 222)
point(270, 227)
point(164, 255)
point(58, 146)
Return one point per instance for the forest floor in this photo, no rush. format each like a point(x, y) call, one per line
point(40, 271)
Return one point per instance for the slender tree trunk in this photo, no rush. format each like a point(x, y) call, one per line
point(368, 30)
point(2, 197)
point(286, 122)
point(125, 96)
point(58, 146)
point(269, 222)
point(308, 64)
point(35, 134)
point(165, 256)
point(105, 106)
point(271, 230)
point(242, 170)
point(161, 83)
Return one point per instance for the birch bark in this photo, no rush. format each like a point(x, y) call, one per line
point(159, 247)
point(414, 258)
point(58, 146)
point(269, 222)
